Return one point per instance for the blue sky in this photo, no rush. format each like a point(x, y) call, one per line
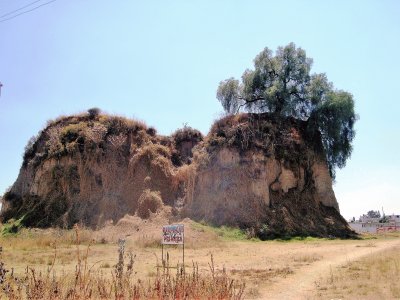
point(161, 62)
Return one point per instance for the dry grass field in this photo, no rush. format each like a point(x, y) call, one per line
point(219, 263)
point(375, 276)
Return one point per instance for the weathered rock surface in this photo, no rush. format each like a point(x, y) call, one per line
point(250, 172)
point(274, 190)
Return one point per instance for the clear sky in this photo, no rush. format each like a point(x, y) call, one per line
point(161, 62)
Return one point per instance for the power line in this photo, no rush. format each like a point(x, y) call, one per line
point(11, 12)
point(27, 11)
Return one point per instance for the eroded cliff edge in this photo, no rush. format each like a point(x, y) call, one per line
point(255, 171)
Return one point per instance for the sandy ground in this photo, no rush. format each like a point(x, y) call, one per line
point(270, 269)
point(302, 284)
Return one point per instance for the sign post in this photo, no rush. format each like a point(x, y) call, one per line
point(173, 235)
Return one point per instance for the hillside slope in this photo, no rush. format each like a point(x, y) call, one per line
point(253, 171)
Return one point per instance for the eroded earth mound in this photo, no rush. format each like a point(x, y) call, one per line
point(254, 171)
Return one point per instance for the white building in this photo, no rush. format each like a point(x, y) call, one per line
point(372, 225)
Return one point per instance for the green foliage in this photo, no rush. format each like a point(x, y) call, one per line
point(225, 232)
point(11, 227)
point(72, 132)
point(279, 84)
point(334, 119)
point(301, 239)
point(32, 210)
point(230, 233)
point(282, 84)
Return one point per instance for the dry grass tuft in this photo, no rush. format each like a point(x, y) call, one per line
point(263, 274)
point(307, 258)
point(146, 241)
point(368, 245)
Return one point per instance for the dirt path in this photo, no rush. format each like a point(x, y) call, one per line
point(301, 284)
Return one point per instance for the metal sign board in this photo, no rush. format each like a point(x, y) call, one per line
point(173, 234)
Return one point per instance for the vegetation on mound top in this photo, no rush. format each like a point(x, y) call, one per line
point(184, 139)
point(94, 131)
point(100, 137)
point(283, 138)
point(186, 134)
point(67, 135)
point(281, 84)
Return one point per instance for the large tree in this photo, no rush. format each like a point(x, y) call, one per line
point(282, 84)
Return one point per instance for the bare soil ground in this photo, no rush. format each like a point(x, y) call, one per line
point(295, 269)
point(316, 280)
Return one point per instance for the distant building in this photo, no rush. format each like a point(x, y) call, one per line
point(376, 225)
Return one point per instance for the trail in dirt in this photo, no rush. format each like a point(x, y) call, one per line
point(301, 284)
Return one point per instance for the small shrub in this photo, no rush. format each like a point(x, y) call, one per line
point(149, 202)
point(225, 232)
point(151, 131)
point(93, 112)
point(118, 124)
point(12, 227)
point(187, 133)
point(154, 153)
point(30, 150)
point(105, 265)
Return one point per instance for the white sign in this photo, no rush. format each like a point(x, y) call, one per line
point(173, 234)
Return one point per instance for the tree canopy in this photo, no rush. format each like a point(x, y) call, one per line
point(282, 84)
point(374, 214)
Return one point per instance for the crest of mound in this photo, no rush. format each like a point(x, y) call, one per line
point(252, 170)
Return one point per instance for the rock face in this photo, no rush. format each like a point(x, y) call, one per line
point(253, 191)
point(90, 171)
point(250, 171)
point(262, 175)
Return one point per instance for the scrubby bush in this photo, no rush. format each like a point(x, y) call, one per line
point(11, 227)
point(30, 150)
point(71, 132)
point(187, 133)
point(93, 112)
point(151, 131)
point(118, 124)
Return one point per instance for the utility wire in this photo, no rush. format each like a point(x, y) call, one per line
point(11, 12)
point(27, 11)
